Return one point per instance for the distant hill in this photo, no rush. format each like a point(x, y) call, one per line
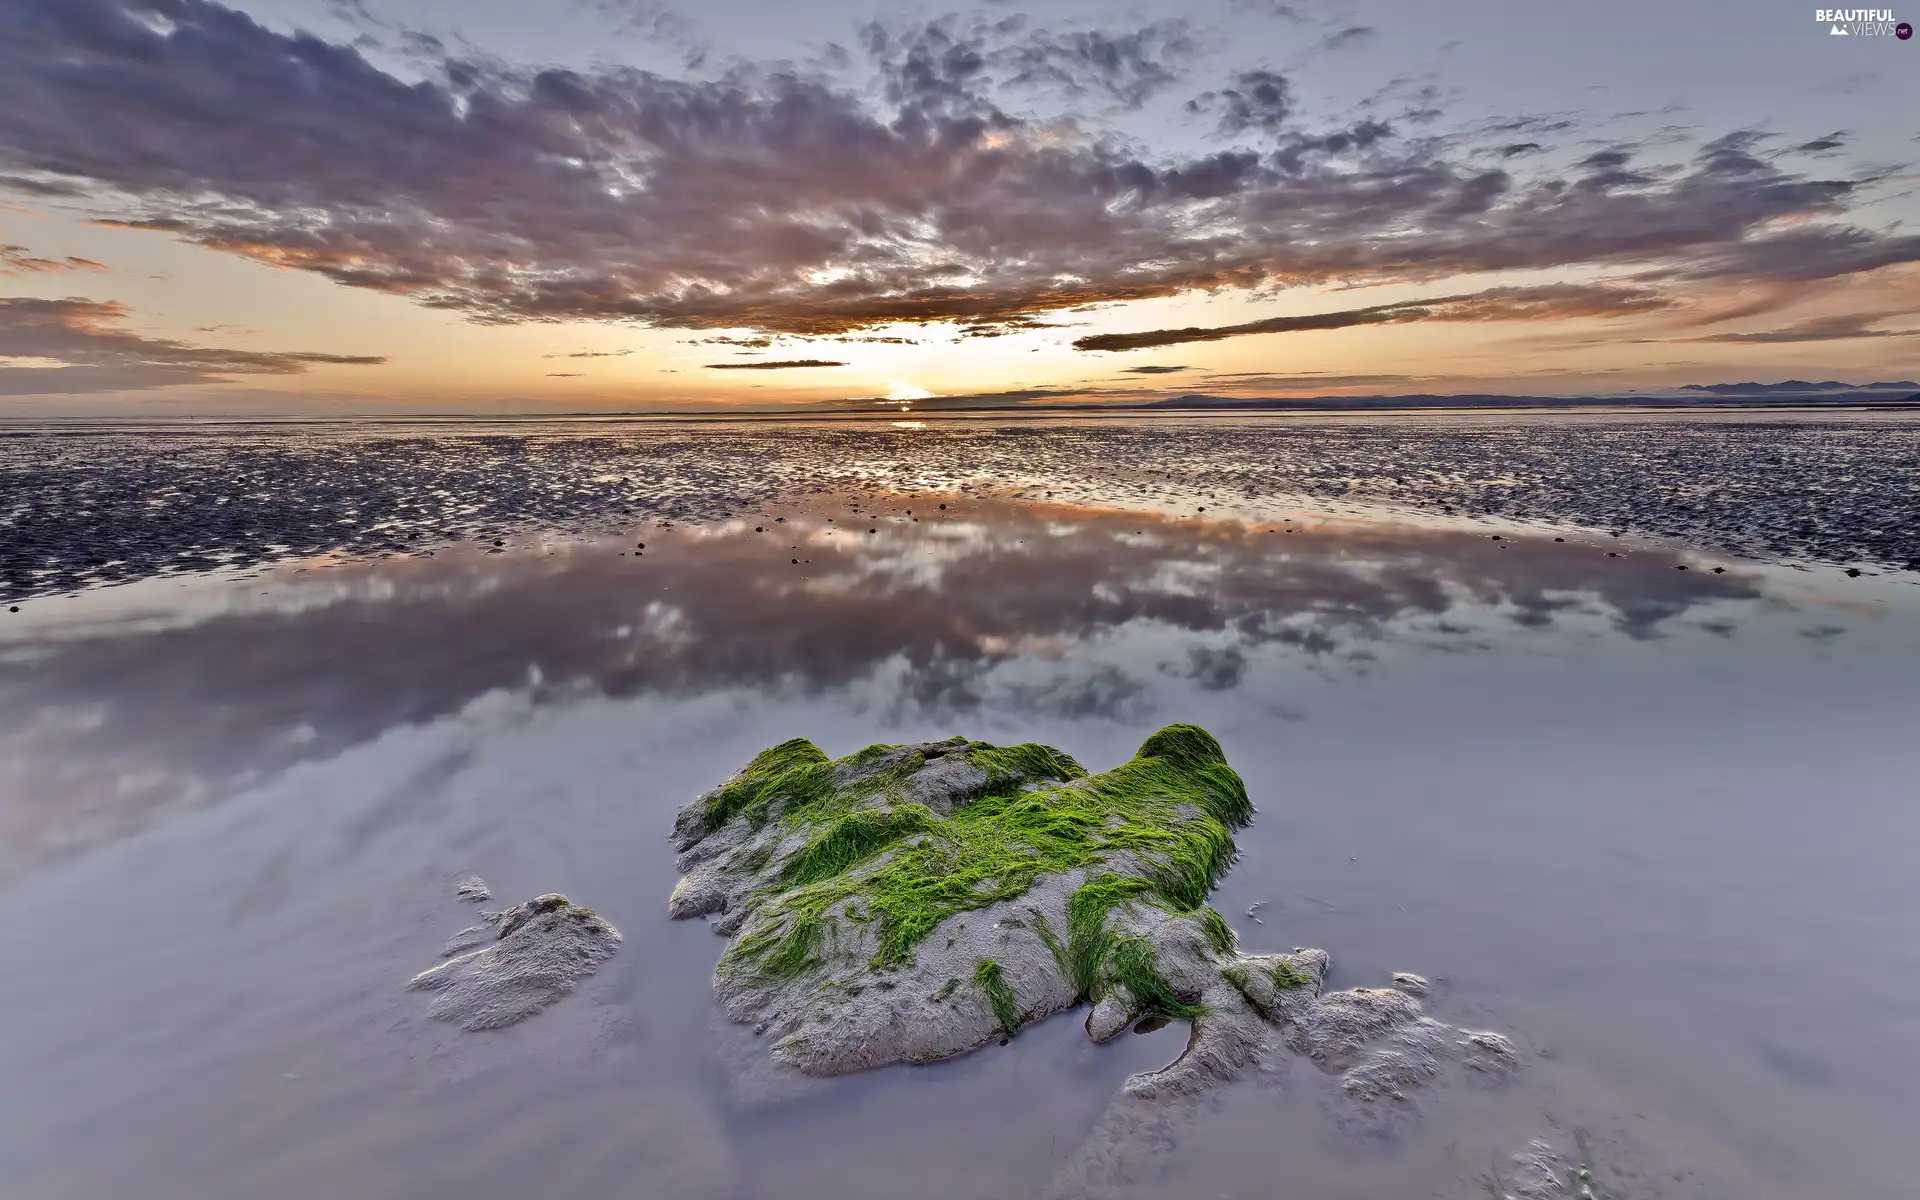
point(1791, 394)
point(1798, 387)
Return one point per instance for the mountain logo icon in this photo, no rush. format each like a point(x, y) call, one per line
point(1836, 31)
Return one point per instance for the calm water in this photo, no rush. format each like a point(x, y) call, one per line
point(1655, 824)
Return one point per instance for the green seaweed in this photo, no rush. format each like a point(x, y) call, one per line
point(852, 839)
point(1171, 810)
point(795, 767)
point(1220, 935)
point(1287, 975)
point(1136, 967)
point(1237, 975)
point(993, 982)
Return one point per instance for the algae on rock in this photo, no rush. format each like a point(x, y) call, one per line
point(909, 903)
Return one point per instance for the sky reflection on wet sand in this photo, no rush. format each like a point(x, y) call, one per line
point(1613, 806)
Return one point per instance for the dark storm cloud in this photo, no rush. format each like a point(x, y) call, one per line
point(95, 356)
point(784, 202)
point(773, 366)
point(1550, 301)
point(1518, 149)
point(1818, 329)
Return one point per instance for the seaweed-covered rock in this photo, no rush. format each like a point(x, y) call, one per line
point(540, 950)
point(909, 903)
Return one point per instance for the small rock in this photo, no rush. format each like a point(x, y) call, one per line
point(1411, 984)
point(542, 949)
point(472, 889)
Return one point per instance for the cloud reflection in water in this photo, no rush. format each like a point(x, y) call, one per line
point(996, 605)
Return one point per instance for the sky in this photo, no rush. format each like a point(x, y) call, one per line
point(439, 206)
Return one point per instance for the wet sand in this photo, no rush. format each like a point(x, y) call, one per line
point(83, 504)
point(1653, 823)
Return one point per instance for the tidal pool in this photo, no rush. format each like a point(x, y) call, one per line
point(1654, 824)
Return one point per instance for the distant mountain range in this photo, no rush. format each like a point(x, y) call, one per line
point(1799, 387)
point(1791, 393)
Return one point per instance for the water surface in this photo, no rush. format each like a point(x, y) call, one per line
point(1653, 823)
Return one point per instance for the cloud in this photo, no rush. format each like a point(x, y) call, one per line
point(1011, 398)
point(1256, 381)
point(591, 354)
point(1154, 370)
point(783, 200)
point(1817, 329)
point(1259, 100)
point(1549, 301)
point(773, 366)
point(17, 260)
point(955, 61)
point(1825, 145)
point(39, 187)
point(1130, 67)
point(1353, 37)
point(74, 345)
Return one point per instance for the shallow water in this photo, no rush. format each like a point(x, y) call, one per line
point(1654, 824)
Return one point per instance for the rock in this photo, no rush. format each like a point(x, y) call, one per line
point(911, 903)
point(467, 939)
point(541, 949)
point(1411, 984)
point(1538, 1173)
point(472, 889)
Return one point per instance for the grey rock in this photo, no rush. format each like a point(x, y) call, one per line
point(819, 871)
point(467, 939)
point(541, 950)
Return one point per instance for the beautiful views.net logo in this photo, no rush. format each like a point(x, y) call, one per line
point(1862, 22)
